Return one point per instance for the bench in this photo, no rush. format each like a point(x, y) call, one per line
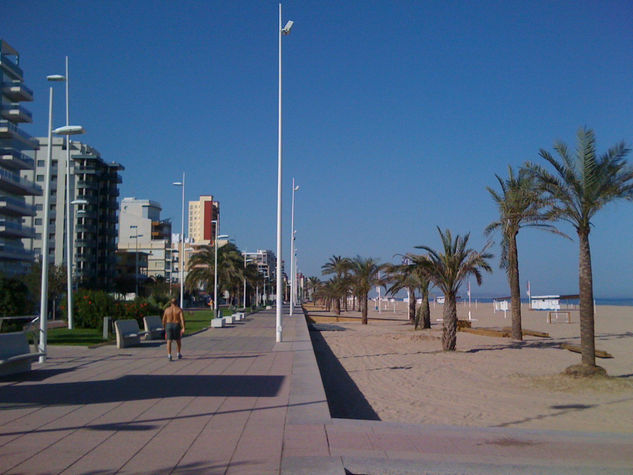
point(15, 356)
point(154, 327)
point(228, 320)
point(127, 333)
point(556, 313)
point(217, 323)
point(239, 316)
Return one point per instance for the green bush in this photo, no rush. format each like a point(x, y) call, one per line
point(90, 306)
point(14, 299)
point(137, 309)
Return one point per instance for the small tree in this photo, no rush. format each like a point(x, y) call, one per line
point(447, 270)
point(365, 274)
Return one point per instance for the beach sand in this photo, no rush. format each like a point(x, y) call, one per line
point(404, 376)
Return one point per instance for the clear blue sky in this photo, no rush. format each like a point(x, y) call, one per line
point(397, 115)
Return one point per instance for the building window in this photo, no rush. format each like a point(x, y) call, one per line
point(39, 207)
point(38, 236)
point(40, 163)
point(37, 250)
point(38, 221)
point(40, 178)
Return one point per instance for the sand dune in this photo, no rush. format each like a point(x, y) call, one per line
point(489, 381)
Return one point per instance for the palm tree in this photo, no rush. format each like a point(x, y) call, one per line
point(447, 270)
point(200, 272)
point(312, 285)
point(340, 266)
point(401, 277)
point(582, 184)
point(365, 274)
point(520, 204)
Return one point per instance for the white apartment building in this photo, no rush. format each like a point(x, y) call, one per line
point(142, 231)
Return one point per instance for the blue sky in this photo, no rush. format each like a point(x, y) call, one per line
point(397, 115)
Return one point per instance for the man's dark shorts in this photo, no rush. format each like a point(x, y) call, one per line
point(172, 331)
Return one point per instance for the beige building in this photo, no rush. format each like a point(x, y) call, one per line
point(202, 213)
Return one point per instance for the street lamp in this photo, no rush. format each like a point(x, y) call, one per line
point(182, 239)
point(244, 295)
point(292, 248)
point(136, 236)
point(67, 130)
point(215, 268)
point(279, 324)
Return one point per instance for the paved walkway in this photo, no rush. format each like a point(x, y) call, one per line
point(240, 403)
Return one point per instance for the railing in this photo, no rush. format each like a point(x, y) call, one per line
point(8, 85)
point(19, 156)
point(21, 111)
point(17, 202)
point(20, 181)
point(16, 250)
point(10, 66)
point(16, 130)
point(16, 226)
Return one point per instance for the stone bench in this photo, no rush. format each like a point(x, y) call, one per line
point(217, 323)
point(127, 333)
point(154, 327)
point(15, 356)
point(239, 316)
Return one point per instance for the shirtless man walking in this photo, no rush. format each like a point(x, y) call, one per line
point(174, 324)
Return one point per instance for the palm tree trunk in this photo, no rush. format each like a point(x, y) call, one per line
point(411, 304)
point(587, 338)
point(449, 330)
point(337, 307)
point(515, 290)
point(426, 311)
point(363, 306)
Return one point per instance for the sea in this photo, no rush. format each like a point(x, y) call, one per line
point(621, 302)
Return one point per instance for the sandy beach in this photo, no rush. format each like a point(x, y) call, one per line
point(404, 376)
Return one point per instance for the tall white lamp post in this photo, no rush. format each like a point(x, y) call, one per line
point(66, 130)
point(293, 275)
point(244, 294)
point(182, 239)
point(279, 323)
point(215, 267)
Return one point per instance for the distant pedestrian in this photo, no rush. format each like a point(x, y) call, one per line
point(174, 324)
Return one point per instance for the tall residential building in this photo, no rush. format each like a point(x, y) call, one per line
point(93, 225)
point(15, 147)
point(142, 231)
point(266, 262)
point(202, 213)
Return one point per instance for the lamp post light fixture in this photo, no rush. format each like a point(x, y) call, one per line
point(182, 240)
point(292, 249)
point(279, 323)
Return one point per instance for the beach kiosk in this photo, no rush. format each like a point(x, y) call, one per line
point(552, 304)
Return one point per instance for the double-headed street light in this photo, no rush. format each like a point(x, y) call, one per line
point(279, 323)
point(67, 130)
point(244, 296)
point(182, 239)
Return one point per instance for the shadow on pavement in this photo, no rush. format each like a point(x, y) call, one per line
point(135, 387)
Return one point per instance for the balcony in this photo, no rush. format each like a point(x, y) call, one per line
point(9, 130)
point(13, 229)
point(17, 92)
point(15, 113)
point(12, 183)
point(10, 206)
point(7, 251)
point(16, 160)
point(10, 67)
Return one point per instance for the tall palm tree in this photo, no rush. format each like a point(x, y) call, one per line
point(340, 266)
point(365, 274)
point(447, 270)
point(520, 204)
point(582, 184)
point(200, 267)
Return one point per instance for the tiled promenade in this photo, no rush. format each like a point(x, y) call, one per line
point(240, 403)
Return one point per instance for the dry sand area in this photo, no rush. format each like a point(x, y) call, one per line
point(489, 381)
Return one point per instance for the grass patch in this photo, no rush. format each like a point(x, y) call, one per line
point(76, 336)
